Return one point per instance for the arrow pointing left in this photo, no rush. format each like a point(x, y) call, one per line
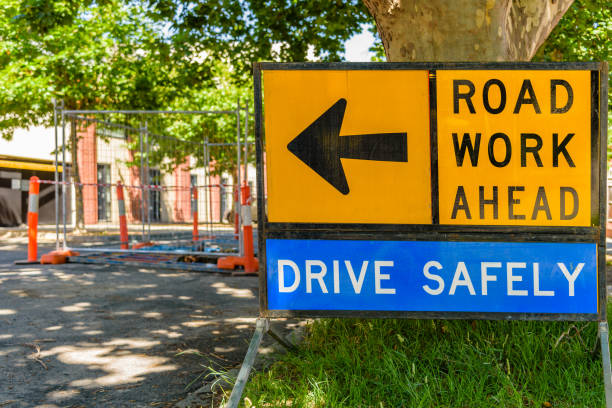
point(321, 147)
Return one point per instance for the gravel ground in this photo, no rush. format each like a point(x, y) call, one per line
point(100, 336)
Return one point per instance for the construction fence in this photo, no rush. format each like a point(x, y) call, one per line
point(179, 173)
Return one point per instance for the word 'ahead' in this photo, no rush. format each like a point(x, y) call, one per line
point(320, 146)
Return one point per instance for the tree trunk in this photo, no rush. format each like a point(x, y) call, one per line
point(76, 179)
point(464, 30)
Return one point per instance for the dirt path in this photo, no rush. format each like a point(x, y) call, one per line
point(98, 336)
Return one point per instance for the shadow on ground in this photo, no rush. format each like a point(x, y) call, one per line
point(99, 336)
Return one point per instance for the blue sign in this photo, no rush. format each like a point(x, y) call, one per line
point(432, 276)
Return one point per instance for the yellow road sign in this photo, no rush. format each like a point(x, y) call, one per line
point(347, 146)
point(461, 190)
point(514, 147)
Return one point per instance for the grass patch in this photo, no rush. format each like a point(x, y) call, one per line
point(425, 363)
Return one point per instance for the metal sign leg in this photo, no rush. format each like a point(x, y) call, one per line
point(261, 327)
point(605, 357)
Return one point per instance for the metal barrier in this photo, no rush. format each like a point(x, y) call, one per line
point(152, 181)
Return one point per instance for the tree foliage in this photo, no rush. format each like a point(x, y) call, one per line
point(583, 34)
point(224, 93)
point(176, 136)
point(156, 54)
point(241, 32)
point(91, 55)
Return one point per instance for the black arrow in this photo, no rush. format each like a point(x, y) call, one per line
point(320, 146)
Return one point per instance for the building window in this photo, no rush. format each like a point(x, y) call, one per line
point(104, 192)
point(225, 195)
point(194, 183)
point(154, 195)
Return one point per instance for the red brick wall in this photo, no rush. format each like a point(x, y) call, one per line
point(215, 197)
point(182, 201)
point(88, 172)
point(133, 210)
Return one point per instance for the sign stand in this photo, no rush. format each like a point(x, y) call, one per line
point(605, 360)
point(262, 326)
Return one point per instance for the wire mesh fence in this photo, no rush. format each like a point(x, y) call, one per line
point(172, 167)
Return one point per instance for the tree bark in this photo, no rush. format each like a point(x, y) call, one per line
point(464, 30)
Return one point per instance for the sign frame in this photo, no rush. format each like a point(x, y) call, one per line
point(435, 232)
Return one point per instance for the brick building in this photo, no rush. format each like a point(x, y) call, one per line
point(103, 159)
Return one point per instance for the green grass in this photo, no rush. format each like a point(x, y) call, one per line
point(425, 363)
